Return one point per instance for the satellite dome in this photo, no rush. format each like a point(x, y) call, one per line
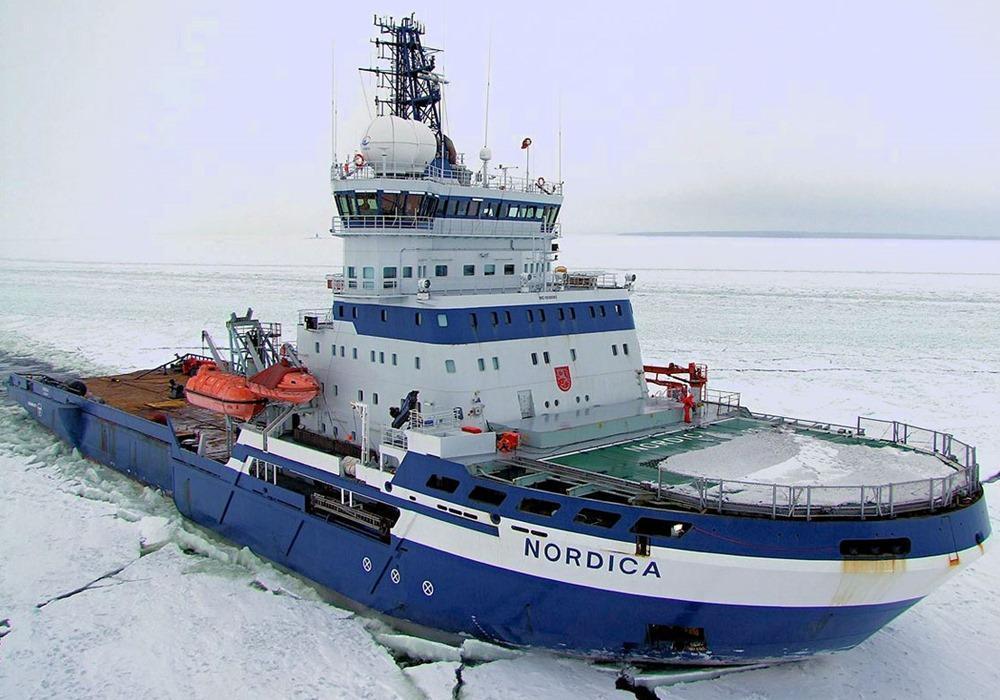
point(398, 145)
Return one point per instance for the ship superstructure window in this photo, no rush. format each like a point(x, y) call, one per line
point(407, 272)
point(375, 398)
point(531, 316)
point(495, 318)
point(381, 357)
point(508, 269)
point(541, 315)
point(572, 354)
point(412, 207)
point(496, 362)
point(474, 208)
point(468, 270)
point(317, 347)
point(390, 203)
point(333, 350)
point(489, 210)
point(442, 206)
point(473, 320)
point(538, 506)
point(440, 270)
point(373, 355)
point(416, 362)
point(367, 203)
point(625, 348)
point(368, 278)
point(545, 357)
point(354, 353)
point(482, 364)
point(561, 312)
point(618, 309)
point(507, 317)
point(384, 315)
point(352, 273)
point(449, 366)
point(489, 270)
point(534, 358)
point(614, 350)
point(442, 320)
point(389, 273)
point(463, 208)
point(572, 313)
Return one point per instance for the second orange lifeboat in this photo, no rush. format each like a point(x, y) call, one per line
point(222, 392)
point(283, 382)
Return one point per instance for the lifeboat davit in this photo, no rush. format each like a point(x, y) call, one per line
point(223, 392)
point(283, 382)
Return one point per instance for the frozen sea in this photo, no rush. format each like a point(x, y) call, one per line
point(106, 592)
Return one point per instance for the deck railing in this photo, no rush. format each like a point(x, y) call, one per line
point(849, 501)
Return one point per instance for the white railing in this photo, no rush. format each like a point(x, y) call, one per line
point(436, 420)
point(849, 501)
point(460, 174)
point(395, 437)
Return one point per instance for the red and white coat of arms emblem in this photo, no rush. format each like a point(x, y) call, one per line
point(563, 379)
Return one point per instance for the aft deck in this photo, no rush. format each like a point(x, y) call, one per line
point(148, 394)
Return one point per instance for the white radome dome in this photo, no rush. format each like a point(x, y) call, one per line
point(398, 145)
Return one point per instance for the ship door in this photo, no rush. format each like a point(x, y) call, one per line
point(527, 403)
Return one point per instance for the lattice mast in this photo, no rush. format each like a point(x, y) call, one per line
point(412, 88)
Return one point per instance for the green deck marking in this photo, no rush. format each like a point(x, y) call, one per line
point(638, 459)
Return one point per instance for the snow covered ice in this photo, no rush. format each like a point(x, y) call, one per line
point(105, 591)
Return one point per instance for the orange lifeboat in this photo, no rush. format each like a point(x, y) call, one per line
point(223, 392)
point(282, 382)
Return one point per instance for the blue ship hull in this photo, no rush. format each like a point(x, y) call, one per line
point(469, 598)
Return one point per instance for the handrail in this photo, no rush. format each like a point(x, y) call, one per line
point(459, 174)
point(842, 501)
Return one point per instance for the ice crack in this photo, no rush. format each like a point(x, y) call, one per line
point(89, 586)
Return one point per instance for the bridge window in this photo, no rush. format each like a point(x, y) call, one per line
point(474, 208)
point(506, 317)
point(528, 213)
point(553, 215)
point(495, 318)
point(489, 210)
point(440, 270)
point(487, 495)
point(468, 270)
point(442, 206)
point(367, 204)
point(452, 207)
point(442, 320)
point(531, 316)
point(473, 320)
point(514, 211)
point(463, 207)
point(541, 315)
point(508, 269)
point(407, 271)
point(429, 205)
point(389, 273)
point(390, 203)
point(489, 270)
point(449, 366)
point(538, 506)
point(597, 518)
point(413, 204)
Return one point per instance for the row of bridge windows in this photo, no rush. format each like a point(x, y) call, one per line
point(495, 318)
point(382, 203)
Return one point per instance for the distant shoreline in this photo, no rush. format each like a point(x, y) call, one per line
point(814, 234)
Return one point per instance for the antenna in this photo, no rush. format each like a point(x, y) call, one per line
point(333, 109)
point(485, 153)
point(559, 140)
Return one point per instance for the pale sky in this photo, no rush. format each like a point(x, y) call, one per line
point(131, 121)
